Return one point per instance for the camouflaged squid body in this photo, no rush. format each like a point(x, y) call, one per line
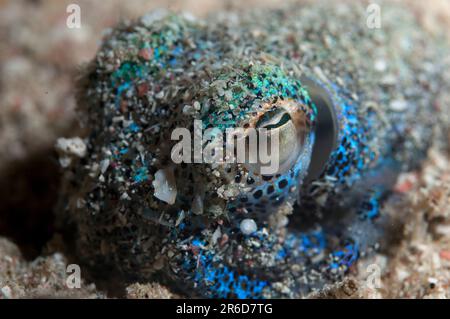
point(353, 110)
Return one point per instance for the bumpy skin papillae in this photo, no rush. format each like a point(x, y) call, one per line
point(165, 71)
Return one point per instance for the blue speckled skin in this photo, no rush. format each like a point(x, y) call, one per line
point(309, 232)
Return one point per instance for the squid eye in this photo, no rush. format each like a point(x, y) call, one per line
point(326, 128)
point(288, 126)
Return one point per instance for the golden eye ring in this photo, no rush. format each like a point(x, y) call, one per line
point(288, 121)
